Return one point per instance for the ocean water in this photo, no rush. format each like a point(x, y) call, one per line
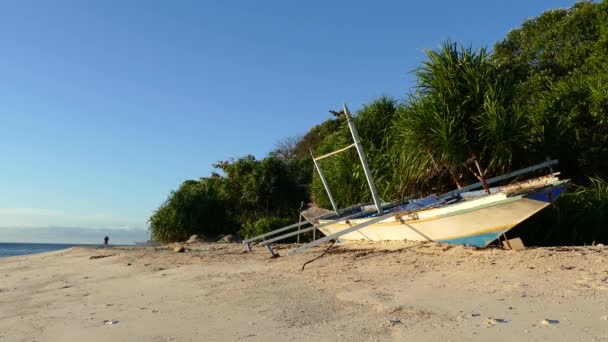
point(13, 249)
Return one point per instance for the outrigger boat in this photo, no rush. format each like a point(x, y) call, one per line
point(470, 218)
point(461, 216)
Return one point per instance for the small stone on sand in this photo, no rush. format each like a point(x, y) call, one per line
point(391, 323)
point(490, 321)
point(227, 239)
point(193, 239)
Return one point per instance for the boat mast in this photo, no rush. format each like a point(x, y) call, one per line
point(331, 197)
point(361, 152)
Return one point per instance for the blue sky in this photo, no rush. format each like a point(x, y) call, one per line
point(105, 106)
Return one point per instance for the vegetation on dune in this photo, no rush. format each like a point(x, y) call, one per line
point(458, 118)
point(558, 64)
point(541, 92)
point(193, 208)
point(344, 171)
point(248, 192)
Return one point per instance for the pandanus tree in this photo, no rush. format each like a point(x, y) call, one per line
point(458, 120)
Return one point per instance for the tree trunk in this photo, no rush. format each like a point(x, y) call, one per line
point(456, 180)
point(482, 177)
point(479, 174)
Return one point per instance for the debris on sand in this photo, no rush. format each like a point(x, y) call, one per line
point(391, 323)
point(109, 322)
point(194, 239)
point(493, 321)
point(548, 321)
point(490, 321)
point(179, 249)
point(230, 238)
point(92, 257)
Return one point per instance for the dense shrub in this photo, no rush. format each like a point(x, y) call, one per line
point(249, 190)
point(194, 208)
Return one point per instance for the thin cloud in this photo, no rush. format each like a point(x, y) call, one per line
point(44, 217)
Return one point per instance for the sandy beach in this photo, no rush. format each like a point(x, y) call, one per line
point(395, 291)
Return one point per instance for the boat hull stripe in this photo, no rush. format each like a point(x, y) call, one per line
point(479, 240)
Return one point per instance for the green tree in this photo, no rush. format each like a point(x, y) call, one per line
point(261, 187)
point(248, 190)
point(343, 171)
point(195, 208)
point(558, 63)
point(459, 119)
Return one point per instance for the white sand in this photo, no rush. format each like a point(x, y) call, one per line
point(358, 292)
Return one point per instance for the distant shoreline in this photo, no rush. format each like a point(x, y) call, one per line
point(9, 249)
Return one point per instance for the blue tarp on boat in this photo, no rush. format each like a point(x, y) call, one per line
point(419, 203)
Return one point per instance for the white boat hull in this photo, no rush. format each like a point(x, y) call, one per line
point(476, 222)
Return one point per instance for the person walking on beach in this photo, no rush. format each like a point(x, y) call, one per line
point(105, 241)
